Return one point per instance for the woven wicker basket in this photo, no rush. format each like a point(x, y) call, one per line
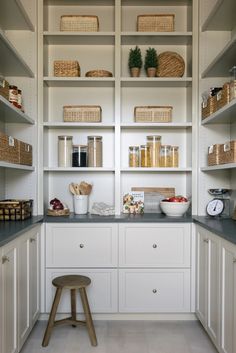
point(80, 23)
point(15, 210)
point(98, 73)
point(209, 107)
point(213, 157)
point(4, 88)
point(153, 114)
point(9, 149)
point(228, 152)
point(155, 23)
point(66, 68)
point(170, 64)
point(223, 97)
point(25, 153)
point(82, 113)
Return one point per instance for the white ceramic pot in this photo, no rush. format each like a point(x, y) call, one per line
point(81, 204)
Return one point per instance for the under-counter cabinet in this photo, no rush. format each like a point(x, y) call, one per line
point(20, 289)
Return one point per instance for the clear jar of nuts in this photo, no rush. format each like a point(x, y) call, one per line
point(174, 154)
point(133, 156)
point(154, 142)
point(165, 156)
point(94, 151)
point(145, 160)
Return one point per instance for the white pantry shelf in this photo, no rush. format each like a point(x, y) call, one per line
point(79, 38)
point(154, 170)
point(156, 81)
point(13, 16)
point(221, 17)
point(172, 125)
point(75, 125)
point(74, 169)
point(52, 81)
point(16, 166)
point(226, 114)
point(219, 167)
point(156, 38)
point(11, 114)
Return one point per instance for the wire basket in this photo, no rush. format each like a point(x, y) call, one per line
point(66, 68)
point(153, 114)
point(15, 210)
point(155, 23)
point(170, 64)
point(98, 73)
point(82, 113)
point(80, 23)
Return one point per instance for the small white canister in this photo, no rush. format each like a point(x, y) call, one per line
point(81, 204)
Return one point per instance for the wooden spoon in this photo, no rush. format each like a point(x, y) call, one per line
point(71, 188)
point(77, 189)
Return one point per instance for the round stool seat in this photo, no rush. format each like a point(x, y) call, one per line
point(71, 281)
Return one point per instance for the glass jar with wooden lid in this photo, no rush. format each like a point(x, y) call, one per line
point(145, 156)
point(133, 156)
point(165, 156)
point(154, 142)
point(94, 151)
point(174, 156)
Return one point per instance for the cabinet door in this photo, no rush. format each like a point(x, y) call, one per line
point(9, 282)
point(147, 245)
point(228, 305)
point(34, 275)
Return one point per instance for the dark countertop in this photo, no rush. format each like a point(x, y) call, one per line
point(10, 230)
point(224, 227)
point(122, 218)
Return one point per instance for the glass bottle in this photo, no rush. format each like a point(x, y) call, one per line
point(174, 153)
point(65, 151)
point(94, 151)
point(145, 156)
point(165, 157)
point(79, 156)
point(133, 156)
point(154, 142)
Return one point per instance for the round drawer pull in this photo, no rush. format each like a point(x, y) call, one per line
point(154, 291)
point(32, 240)
point(206, 240)
point(5, 259)
point(81, 246)
point(154, 246)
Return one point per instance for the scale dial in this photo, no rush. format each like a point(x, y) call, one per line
point(215, 207)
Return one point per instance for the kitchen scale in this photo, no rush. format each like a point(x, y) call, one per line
point(220, 204)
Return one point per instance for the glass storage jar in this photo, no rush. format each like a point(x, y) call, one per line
point(174, 156)
point(154, 142)
point(79, 156)
point(94, 151)
point(13, 95)
point(65, 151)
point(165, 156)
point(145, 156)
point(133, 156)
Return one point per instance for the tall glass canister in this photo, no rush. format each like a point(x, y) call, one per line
point(65, 151)
point(94, 151)
point(154, 142)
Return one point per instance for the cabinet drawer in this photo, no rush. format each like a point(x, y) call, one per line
point(148, 245)
point(102, 292)
point(166, 290)
point(83, 245)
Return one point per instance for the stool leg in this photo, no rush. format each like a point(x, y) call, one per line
point(51, 319)
point(73, 304)
point(89, 320)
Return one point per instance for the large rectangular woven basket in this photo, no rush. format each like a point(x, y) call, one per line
point(4, 88)
point(66, 68)
point(81, 23)
point(228, 152)
point(213, 156)
point(155, 23)
point(82, 113)
point(153, 114)
point(9, 149)
point(25, 153)
point(15, 210)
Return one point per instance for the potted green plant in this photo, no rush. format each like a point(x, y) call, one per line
point(135, 61)
point(151, 62)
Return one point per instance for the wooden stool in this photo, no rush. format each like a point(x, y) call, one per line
point(71, 282)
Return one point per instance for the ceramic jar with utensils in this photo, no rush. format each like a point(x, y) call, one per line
point(80, 193)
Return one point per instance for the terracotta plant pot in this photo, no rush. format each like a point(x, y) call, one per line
point(135, 72)
point(151, 72)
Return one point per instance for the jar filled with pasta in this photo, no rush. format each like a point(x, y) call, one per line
point(145, 156)
point(154, 142)
point(133, 156)
point(174, 153)
point(165, 156)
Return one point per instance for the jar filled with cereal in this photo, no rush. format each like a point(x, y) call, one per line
point(165, 156)
point(174, 153)
point(145, 156)
point(154, 142)
point(133, 156)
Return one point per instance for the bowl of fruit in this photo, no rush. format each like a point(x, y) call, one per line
point(175, 206)
point(57, 208)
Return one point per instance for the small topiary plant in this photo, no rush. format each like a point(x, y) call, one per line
point(151, 58)
point(135, 58)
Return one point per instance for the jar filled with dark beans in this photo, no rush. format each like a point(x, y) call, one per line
point(79, 156)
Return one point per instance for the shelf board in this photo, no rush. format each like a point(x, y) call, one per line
point(221, 17)
point(160, 38)
point(16, 166)
point(73, 169)
point(219, 167)
point(79, 38)
point(156, 2)
point(225, 115)
point(79, 2)
point(156, 125)
point(154, 170)
point(79, 81)
point(14, 17)
point(11, 62)
point(156, 81)
point(74, 125)
point(220, 66)
point(12, 114)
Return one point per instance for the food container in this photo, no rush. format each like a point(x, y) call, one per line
point(94, 151)
point(174, 156)
point(165, 156)
point(232, 72)
point(174, 209)
point(13, 95)
point(154, 142)
point(15, 210)
point(65, 151)
point(79, 156)
point(145, 156)
point(133, 156)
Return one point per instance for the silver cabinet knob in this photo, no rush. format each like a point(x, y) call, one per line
point(5, 259)
point(206, 241)
point(154, 246)
point(32, 240)
point(154, 291)
point(81, 246)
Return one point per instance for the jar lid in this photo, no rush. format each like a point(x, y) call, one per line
point(94, 137)
point(134, 147)
point(65, 137)
point(165, 146)
point(154, 137)
point(174, 147)
point(144, 146)
point(81, 146)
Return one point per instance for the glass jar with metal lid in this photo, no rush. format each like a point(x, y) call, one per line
point(94, 151)
point(174, 154)
point(79, 156)
point(145, 156)
point(154, 142)
point(133, 156)
point(65, 151)
point(165, 157)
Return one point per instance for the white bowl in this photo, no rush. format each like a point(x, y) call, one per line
point(174, 209)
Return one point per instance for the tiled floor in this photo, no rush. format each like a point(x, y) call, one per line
point(124, 337)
